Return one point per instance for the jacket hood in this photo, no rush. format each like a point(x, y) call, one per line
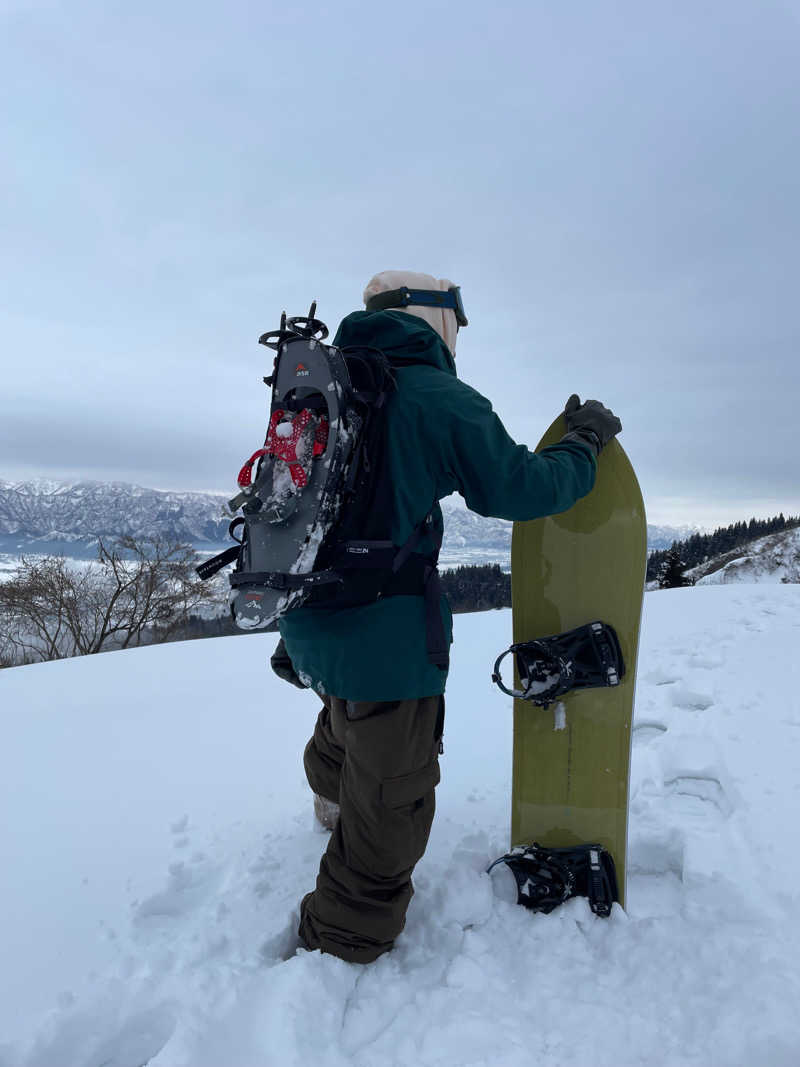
point(399, 336)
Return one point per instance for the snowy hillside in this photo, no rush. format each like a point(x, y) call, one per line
point(157, 837)
point(775, 558)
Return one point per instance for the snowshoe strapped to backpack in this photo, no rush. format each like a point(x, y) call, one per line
point(316, 518)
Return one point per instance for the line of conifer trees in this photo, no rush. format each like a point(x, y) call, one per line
point(477, 588)
point(700, 547)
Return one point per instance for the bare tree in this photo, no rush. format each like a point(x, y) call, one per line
point(138, 591)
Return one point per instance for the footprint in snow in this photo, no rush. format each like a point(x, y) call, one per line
point(190, 885)
point(644, 732)
point(698, 796)
point(660, 677)
point(684, 697)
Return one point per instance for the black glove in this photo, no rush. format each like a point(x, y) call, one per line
point(590, 423)
point(282, 665)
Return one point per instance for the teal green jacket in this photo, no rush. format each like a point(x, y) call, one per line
point(442, 437)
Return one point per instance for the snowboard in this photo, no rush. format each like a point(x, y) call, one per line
point(571, 761)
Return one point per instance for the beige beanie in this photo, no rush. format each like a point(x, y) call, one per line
point(443, 320)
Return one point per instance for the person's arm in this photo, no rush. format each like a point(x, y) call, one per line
point(283, 667)
point(498, 477)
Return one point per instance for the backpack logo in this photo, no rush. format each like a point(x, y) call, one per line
point(301, 371)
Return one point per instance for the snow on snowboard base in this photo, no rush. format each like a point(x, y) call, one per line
point(572, 760)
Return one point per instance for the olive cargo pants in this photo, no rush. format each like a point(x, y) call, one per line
point(380, 763)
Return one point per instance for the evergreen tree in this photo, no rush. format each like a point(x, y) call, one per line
point(673, 570)
point(477, 588)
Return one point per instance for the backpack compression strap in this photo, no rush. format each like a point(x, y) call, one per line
point(436, 639)
point(222, 559)
point(354, 555)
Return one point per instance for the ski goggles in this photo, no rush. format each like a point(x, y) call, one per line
point(429, 298)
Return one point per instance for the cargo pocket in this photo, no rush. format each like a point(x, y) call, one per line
point(409, 804)
point(410, 790)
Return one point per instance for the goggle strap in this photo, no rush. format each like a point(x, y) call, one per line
point(432, 298)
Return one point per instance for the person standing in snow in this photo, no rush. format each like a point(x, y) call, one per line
point(373, 760)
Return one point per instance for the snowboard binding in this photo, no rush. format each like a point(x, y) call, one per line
point(584, 658)
point(546, 877)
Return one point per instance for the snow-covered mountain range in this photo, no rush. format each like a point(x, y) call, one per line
point(44, 516)
point(68, 517)
point(663, 536)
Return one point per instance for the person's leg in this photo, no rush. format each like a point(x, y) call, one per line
point(386, 794)
point(324, 756)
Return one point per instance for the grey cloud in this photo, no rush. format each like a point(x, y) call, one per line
point(614, 190)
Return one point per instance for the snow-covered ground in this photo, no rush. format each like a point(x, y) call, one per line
point(156, 837)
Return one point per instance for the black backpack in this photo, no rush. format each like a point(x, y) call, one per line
point(317, 516)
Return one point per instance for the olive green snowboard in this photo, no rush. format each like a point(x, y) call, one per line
point(572, 760)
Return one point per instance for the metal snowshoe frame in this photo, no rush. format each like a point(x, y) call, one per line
point(548, 667)
point(289, 504)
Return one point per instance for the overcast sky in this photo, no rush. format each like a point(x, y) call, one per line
point(615, 186)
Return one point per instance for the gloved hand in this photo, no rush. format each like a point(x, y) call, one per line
point(282, 665)
point(590, 423)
